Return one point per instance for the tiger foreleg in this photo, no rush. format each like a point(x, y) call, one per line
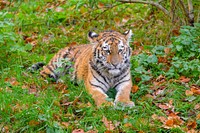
point(99, 96)
point(123, 94)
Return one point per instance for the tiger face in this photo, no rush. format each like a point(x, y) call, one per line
point(111, 51)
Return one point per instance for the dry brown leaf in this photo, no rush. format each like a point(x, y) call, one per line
point(65, 124)
point(149, 96)
point(33, 123)
point(197, 106)
point(164, 106)
point(127, 125)
point(78, 131)
point(154, 117)
point(169, 123)
point(136, 43)
point(191, 124)
point(109, 125)
point(101, 5)
point(117, 21)
point(13, 81)
point(173, 122)
point(195, 89)
point(162, 60)
point(184, 79)
point(192, 131)
point(32, 89)
point(175, 31)
point(59, 9)
point(198, 116)
point(134, 88)
point(5, 129)
point(92, 131)
point(141, 132)
point(162, 119)
point(188, 93)
point(167, 50)
point(61, 87)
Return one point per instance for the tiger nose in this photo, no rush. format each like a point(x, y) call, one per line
point(114, 64)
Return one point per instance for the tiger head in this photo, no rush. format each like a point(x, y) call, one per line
point(111, 50)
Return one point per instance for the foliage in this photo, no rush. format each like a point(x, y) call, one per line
point(164, 72)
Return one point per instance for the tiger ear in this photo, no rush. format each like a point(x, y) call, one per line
point(128, 34)
point(92, 36)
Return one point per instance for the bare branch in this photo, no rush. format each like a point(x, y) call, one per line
point(147, 2)
point(172, 12)
point(191, 13)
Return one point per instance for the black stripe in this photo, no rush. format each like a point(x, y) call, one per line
point(96, 69)
point(51, 70)
point(122, 72)
point(66, 54)
point(121, 82)
point(59, 55)
point(98, 53)
point(97, 86)
point(98, 79)
point(44, 73)
point(53, 64)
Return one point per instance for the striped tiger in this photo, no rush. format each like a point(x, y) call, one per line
point(103, 64)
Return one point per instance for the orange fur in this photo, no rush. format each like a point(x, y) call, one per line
point(101, 65)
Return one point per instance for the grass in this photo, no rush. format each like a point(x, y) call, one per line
point(33, 31)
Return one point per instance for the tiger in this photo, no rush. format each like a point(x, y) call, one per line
point(102, 64)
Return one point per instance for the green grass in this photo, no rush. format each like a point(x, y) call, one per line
point(30, 104)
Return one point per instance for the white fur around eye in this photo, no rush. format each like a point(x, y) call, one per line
point(121, 45)
point(105, 46)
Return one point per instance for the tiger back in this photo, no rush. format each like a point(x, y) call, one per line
point(103, 64)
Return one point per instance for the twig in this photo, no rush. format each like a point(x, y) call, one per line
point(147, 2)
point(172, 12)
point(106, 11)
point(191, 13)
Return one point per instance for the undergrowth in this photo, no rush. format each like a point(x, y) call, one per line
point(164, 71)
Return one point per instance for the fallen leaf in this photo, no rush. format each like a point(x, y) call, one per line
point(134, 88)
point(160, 78)
point(109, 125)
point(65, 124)
point(92, 131)
point(32, 89)
point(195, 89)
point(164, 106)
point(175, 31)
point(188, 93)
point(192, 131)
point(61, 87)
point(167, 50)
point(13, 81)
point(173, 122)
point(137, 43)
point(5, 129)
point(197, 106)
point(127, 125)
point(191, 124)
point(184, 79)
point(169, 123)
point(100, 5)
point(198, 116)
point(154, 117)
point(117, 21)
point(59, 9)
point(78, 131)
point(33, 123)
point(162, 60)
